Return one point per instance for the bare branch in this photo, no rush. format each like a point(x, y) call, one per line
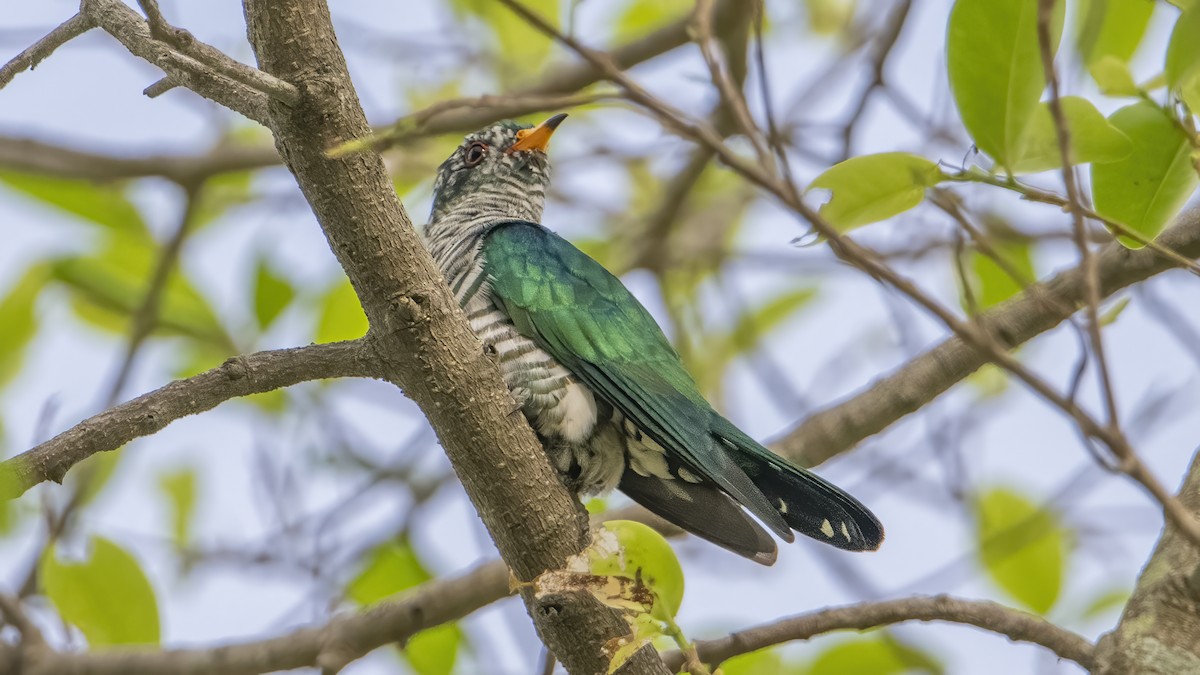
point(239, 376)
point(1014, 624)
point(1014, 322)
point(329, 647)
point(28, 59)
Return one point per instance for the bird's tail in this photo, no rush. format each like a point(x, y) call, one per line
point(808, 503)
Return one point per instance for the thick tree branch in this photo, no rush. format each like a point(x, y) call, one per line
point(421, 336)
point(837, 429)
point(1014, 624)
point(329, 647)
point(1159, 631)
point(149, 413)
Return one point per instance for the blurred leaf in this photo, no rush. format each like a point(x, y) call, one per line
point(1023, 548)
point(1112, 28)
point(829, 17)
point(341, 316)
point(394, 567)
point(114, 282)
point(1092, 138)
point(989, 381)
point(753, 663)
point(643, 16)
point(1146, 189)
point(272, 294)
point(220, 194)
point(179, 489)
point(871, 188)
point(18, 324)
point(1114, 312)
point(995, 68)
point(596, 505)
point(1183, 58)
point(1114, 77)
point(992, 284)
point(100, 203)
point(1107, 601)
point(107, 597)
point(517, 42)
point(875, 654)
point(713, 357)
point(93, 474)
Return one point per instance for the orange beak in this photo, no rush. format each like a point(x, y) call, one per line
point(537, 138)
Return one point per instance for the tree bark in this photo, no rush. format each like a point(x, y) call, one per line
point(1159, 631)
point(422, 338)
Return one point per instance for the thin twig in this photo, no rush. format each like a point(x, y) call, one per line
point(28, 59)
point(990, 616)
point(10, 608)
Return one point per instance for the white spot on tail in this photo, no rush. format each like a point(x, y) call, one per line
point(578, 409)
point(782, 506)
point(845, 531)
point(826, 528)
point(688, 475)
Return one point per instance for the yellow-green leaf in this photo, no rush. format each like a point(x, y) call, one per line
point(992, 283)
point(995, 69)
point(1106, 601)
point(103, 204)
point(272, 294)
point(871, 188)
point(391, 568)
point(637, 551)
point(642, 16)
point(1023, 548)
point(1145, 190)
point(1092, 138)
point(754, 663)
point(877, 655)
point(1113, 76)
point(1112, 28)
point(92, 475)
point(18, 323)
point(179, 489)
point(342, 315)
point(517, 42)
point(1183, 58)
point(106, 596)
point(830, 17)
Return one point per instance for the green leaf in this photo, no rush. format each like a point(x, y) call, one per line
point(93, 474)
point(272, 294)
point(993, 284)
point(871, 188)
point(179, 489)
point(517, 42)
point(102, 204)
point(107, 596)
point(995, 69)
point(1145, 190)
point(220, 194)
point(709, 362)
point(1112, 28)
point(391, 568)
point(1022, 547)
point(1114, 77)
point(878, 655)
point(114, 280)
point(643, 16)
point(829, 17)
point(1106, 602)
point(18, 323)
point(1183, 58)
point(1093, 138)
point(754, 663)
point(341, 316)
point(636, 551)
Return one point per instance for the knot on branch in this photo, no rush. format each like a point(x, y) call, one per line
point(410, 308)
point(235, 368)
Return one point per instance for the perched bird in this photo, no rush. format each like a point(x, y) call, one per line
point(593, 372)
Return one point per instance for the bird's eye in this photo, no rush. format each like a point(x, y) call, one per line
point(475, 153)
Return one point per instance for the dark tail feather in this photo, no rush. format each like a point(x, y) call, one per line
point(810, 504)
point(704, 511)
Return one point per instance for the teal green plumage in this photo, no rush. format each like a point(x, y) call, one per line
point(597, 378)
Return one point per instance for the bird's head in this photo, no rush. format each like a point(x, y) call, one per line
point(500, 171)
